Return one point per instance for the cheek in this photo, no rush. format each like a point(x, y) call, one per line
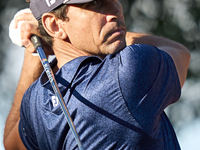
point(76, 32)
point(98, 32)
point(91, 32)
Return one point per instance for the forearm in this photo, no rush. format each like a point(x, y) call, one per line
point(31, 71)
point(148, 39)
point(157, 41)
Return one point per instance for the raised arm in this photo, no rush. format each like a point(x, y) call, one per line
point(177, 51)
point(31, 71)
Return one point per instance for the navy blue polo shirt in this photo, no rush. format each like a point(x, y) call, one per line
point(115, 103)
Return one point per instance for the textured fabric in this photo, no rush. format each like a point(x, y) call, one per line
point(115, 103)
point(39, 7)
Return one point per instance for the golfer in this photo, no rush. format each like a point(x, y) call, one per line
point(115, 84)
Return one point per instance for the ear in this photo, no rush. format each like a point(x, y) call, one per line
point(53, 26)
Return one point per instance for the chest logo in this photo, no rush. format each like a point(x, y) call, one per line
point(54, 101)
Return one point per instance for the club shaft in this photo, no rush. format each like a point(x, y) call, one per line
point(54, 85)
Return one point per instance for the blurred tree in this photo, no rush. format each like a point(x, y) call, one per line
point(2, 52)
point(178, 20)
point(6, 10)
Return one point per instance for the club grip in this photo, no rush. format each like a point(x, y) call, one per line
point(36, 41)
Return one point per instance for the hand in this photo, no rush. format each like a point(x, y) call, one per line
point(27, 25)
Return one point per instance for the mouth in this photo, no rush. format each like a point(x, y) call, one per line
point(116, 32)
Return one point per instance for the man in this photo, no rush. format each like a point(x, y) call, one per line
point(116, 95)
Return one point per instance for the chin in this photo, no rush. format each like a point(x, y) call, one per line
point(117, 47)
point(112, 47)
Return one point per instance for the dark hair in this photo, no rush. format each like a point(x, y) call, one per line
point(60, 13)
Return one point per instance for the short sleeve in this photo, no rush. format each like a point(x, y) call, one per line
point(149, 82)
point(25, 129)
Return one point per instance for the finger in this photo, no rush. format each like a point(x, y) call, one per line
point(28, 29)
point(28, 45)
point(24, 17)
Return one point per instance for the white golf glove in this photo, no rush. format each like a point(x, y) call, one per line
point(14, 33)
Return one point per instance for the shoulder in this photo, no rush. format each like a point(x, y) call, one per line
point(29, 102)
point(139, 55)
point(28, 112)
point(31, 91)
point(140, 49)
point(144, 60)
point(140, 66)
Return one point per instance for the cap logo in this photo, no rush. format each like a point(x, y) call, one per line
point(65, 1)
point(50, 2)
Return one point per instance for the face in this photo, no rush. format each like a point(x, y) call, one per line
point(97, 28)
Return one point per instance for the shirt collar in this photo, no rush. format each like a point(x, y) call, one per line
point(66, 73)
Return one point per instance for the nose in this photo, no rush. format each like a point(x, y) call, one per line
point(115, 10)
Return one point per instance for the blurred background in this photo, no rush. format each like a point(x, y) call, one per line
point(178, 20)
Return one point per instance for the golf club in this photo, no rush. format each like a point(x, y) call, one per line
point(38, 46)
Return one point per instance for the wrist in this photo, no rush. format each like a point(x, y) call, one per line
point(32, 67)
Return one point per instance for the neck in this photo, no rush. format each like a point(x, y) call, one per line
point(65, 52)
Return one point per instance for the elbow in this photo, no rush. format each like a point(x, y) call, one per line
point(6, 144)
point(10, 146)
point(186, 56)
point(185, 59)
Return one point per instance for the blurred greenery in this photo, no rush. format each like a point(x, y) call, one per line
point(5, 7)
point(2, 6)
point(178, 20)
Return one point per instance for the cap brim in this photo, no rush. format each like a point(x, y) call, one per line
point(77, 1)
point(39, 7)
